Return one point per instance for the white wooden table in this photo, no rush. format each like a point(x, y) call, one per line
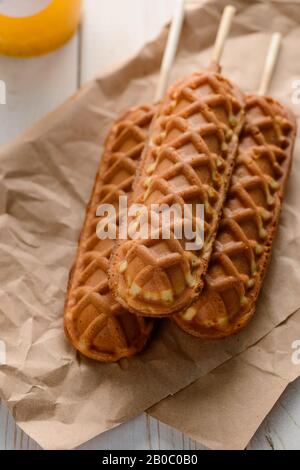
point(111, 32)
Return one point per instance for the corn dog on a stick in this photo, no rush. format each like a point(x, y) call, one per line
point(95, 323)
point(243, 245)
point(188, 159)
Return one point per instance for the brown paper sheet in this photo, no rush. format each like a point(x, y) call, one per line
point(224, 408)
point(59, 398)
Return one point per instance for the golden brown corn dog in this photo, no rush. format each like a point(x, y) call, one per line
point(188, 159)
point(95, 323)
point(243, 245)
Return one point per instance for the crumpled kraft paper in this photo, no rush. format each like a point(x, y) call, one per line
point(224, 408)
point(58, 397)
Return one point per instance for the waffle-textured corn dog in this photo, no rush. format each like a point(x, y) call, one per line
point(95, 323)
point(188, 160)
point(243, 245)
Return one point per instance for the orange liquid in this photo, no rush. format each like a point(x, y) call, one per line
point(40, 32)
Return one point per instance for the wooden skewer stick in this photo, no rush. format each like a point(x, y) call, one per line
point(170, 50)
point(222, 34)
point(270, 63)
point(173, 40)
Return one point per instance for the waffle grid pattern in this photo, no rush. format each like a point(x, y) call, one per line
point(243, 244)
point(94, 322)
point(189, 160)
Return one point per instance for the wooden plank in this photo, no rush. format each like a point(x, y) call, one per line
point(144, 433)
point(11, 436)
point(281, 429)
point(35, 86)
point(115, 30)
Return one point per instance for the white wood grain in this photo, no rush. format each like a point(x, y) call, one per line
point(281, 429)
point(36, 86)
point(112, 31)
point(115, 30)
point(143, 433)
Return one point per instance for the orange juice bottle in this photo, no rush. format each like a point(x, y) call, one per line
point(32, 27)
